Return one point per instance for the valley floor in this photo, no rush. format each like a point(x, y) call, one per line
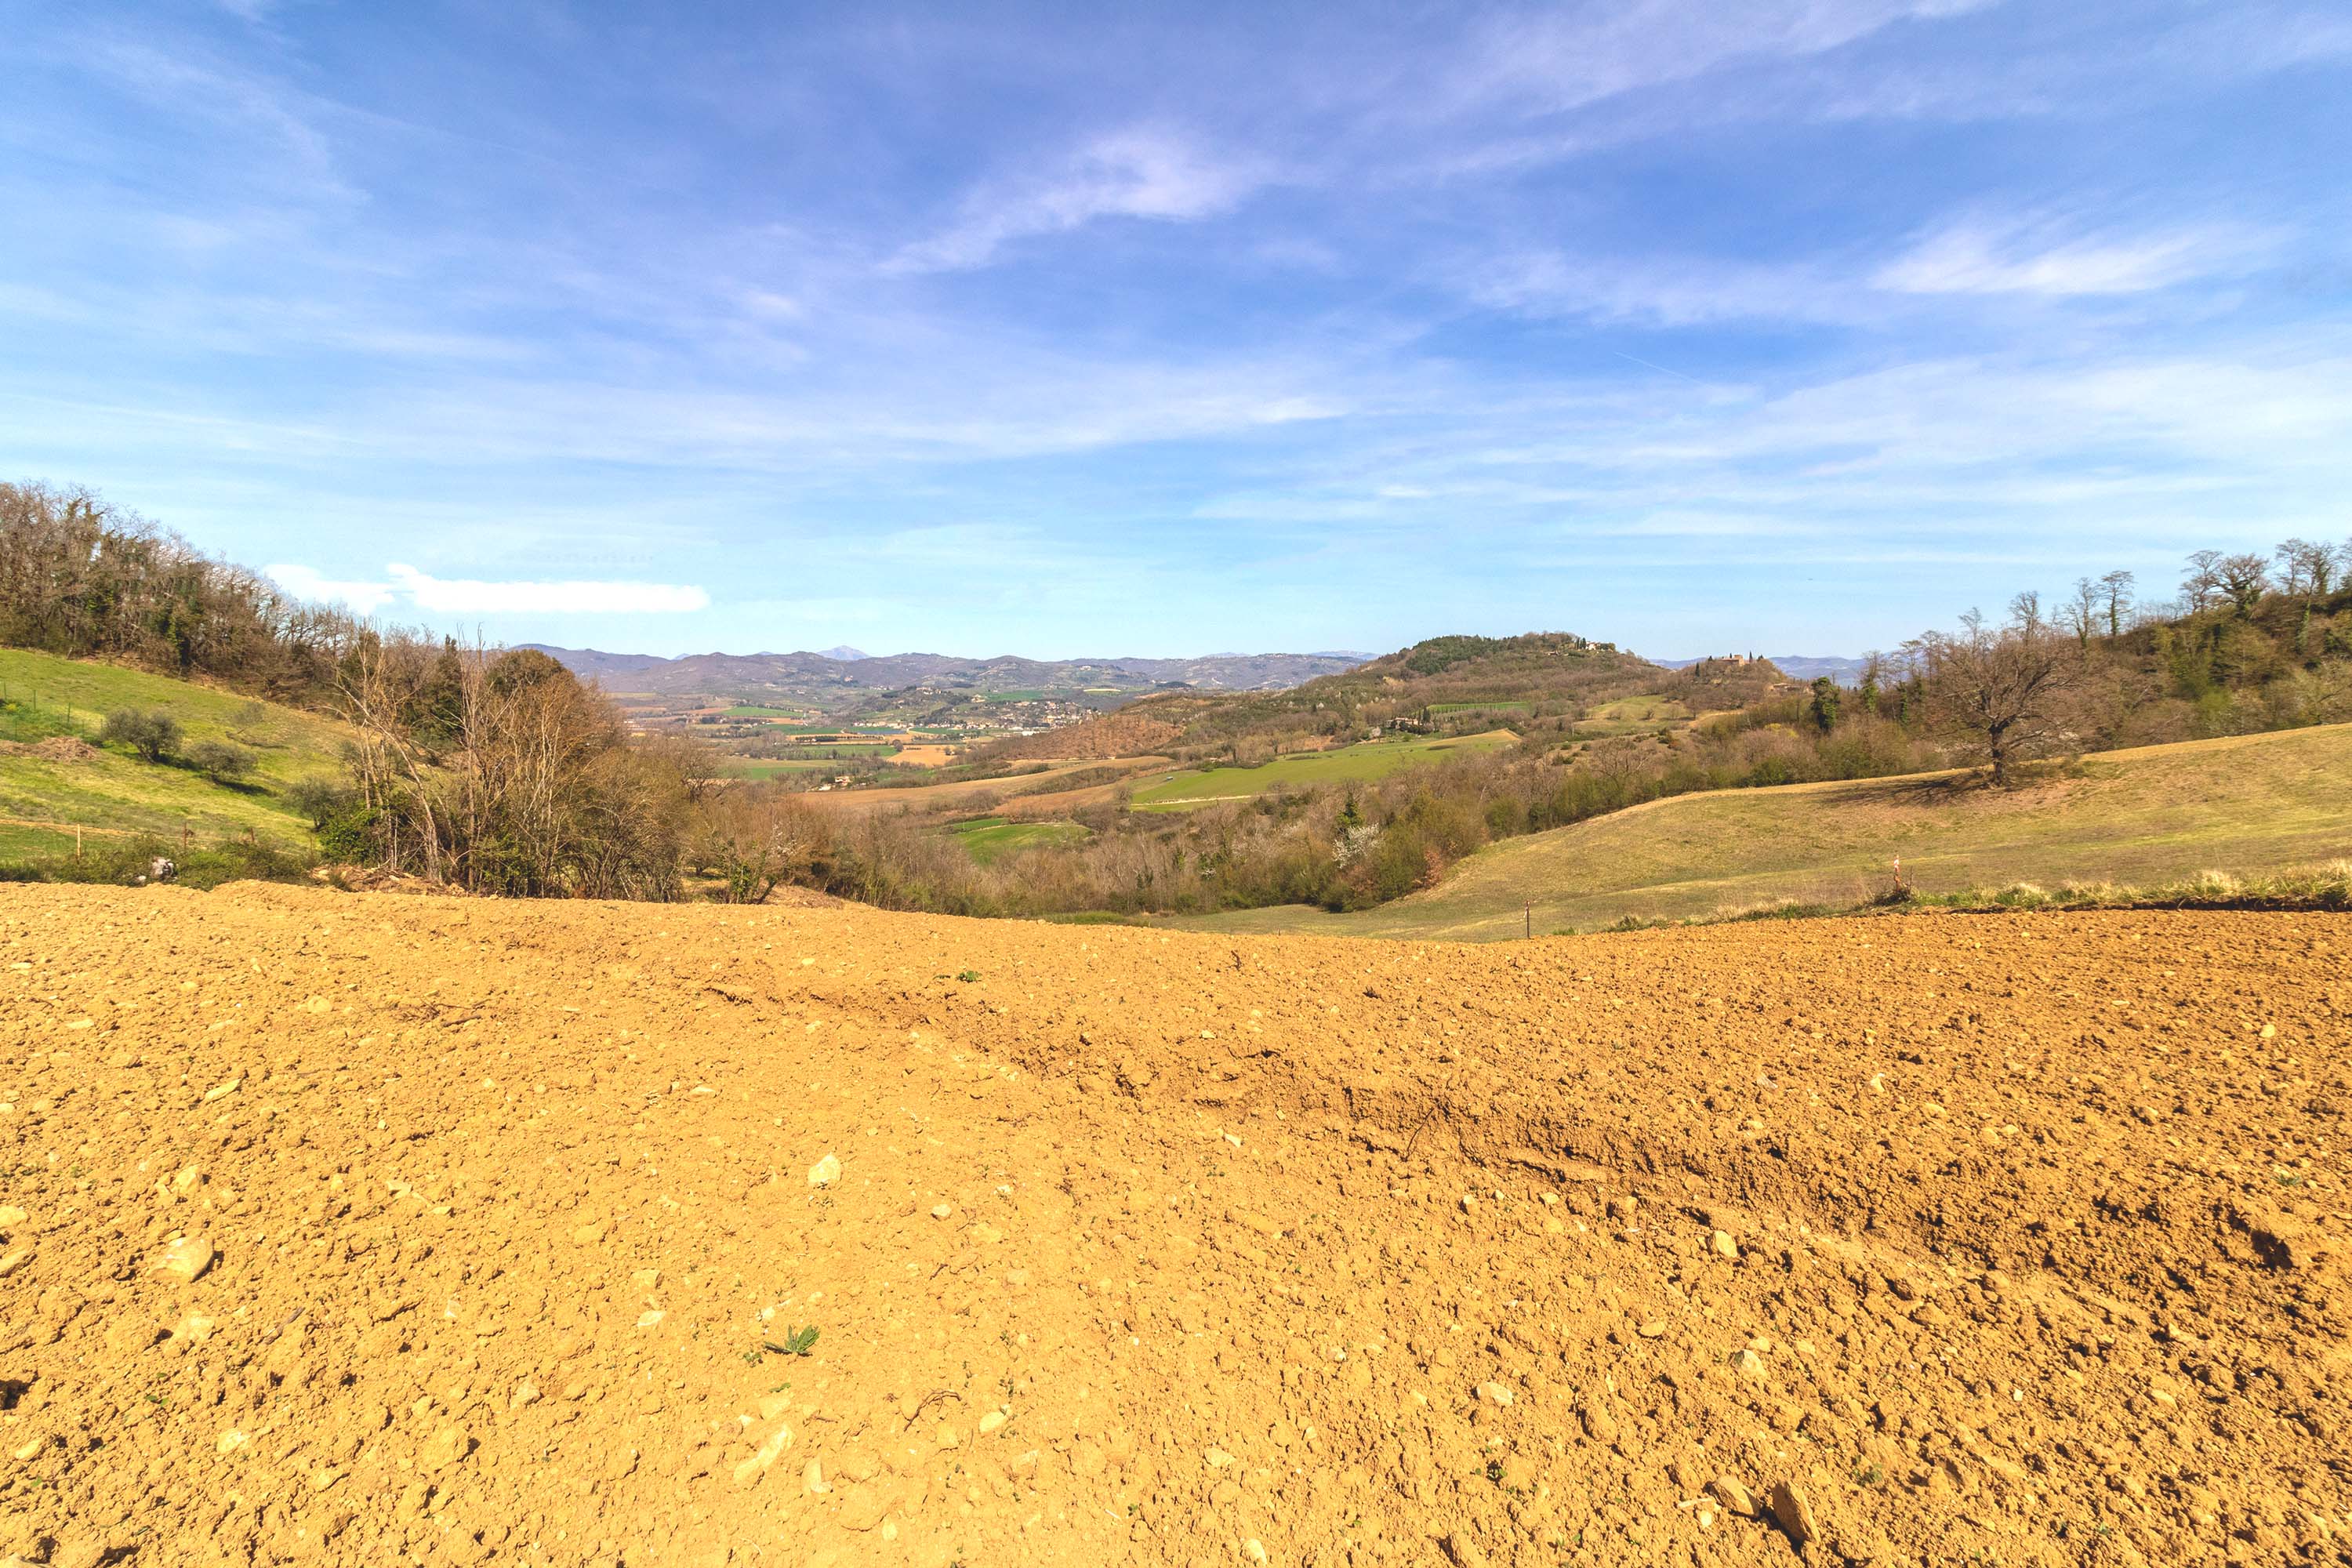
point(368, 1229)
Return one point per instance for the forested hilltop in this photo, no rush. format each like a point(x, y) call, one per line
point(497, 771)
point(488, 769)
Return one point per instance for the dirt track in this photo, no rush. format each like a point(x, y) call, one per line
point(2016, 1240)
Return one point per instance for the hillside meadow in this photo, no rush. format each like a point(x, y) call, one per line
point(2243, 805)
point(1359, 763)
point(112, 793)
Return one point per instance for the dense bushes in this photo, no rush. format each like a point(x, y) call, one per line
point(500, 772)
point(120, 861)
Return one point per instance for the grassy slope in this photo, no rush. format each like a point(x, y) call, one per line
point(1633, 716)
point(736, 767)
point(49, 695)
point(1372, 760)
point(2243, 805)
point(989, 838)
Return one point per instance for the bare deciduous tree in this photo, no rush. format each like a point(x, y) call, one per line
point(2025, 613)
point(2306, 567)
point(2202, 581)
point(500, 773)
point(2005, 692)
point(2118, 586)
point(2244, 579)
point(2081, 614)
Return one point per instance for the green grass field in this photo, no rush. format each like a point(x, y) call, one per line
point(2245, 806)
point(760, 710)
point(42, 695)
point(853, 749)
point(1361, 763)
point(771, 767)
point(989, 839)
point(1633, 716)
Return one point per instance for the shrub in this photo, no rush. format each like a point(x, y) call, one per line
point(319, 798)
point(220, 760)
point(348, 836)
point(150, 732)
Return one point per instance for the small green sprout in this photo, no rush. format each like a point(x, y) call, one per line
point(799, 1341)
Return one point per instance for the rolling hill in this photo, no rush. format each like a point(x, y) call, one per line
point(108, 792)
point(2241, 804)
point(841, 678)
point(1196, 787)
point(1444, 686)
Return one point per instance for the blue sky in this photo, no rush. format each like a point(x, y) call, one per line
point(1790, 324)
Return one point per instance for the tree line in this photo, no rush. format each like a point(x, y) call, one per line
point(488, 769)
point(497, 771)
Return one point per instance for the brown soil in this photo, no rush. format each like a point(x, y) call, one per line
point(1125, 733)
point(1942, 1239)
point(964, 795)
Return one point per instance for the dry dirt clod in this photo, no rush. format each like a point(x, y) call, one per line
point(186, 1260)
point(1464, 1550)
point(1734, 1497)
point(770, 1449)
point(826, 1171)
point(1793, 1510)
point(445, 1448)
point(1722, 1244)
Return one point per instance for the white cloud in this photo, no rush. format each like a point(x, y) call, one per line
point(1138, 174)
point(310, 583)
point(471, 596)
point(1991, 258)
point(1666, 290)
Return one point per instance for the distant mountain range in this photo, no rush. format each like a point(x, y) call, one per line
point(1799, 665)
point(840, 673)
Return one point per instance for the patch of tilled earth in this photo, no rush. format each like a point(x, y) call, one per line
point(356, 1229)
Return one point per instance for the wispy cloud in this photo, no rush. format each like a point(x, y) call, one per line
point(1150, 173)
point(476, 596)
point(1663, 290)
point(1977, 258)
point(1549, 61)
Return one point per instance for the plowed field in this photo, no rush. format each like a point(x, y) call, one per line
point(368, 1229)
